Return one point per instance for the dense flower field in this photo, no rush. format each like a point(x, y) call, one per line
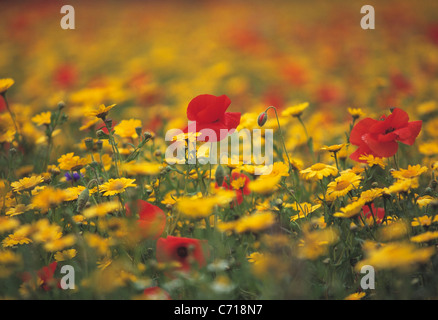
point(85, 181)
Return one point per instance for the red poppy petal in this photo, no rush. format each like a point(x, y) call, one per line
point(360, 129)
point(207, 108)
point(362, 150)
point(397, 119)
point(408, 134)
point(219, 130)
point(379, 148)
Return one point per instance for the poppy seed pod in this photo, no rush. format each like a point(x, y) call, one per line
point(261, 120)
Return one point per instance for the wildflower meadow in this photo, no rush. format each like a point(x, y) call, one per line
point(125, 173)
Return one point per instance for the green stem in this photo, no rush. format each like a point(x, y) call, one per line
point(281, 135)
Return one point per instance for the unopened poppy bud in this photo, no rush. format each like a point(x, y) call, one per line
point(12, 151)
point(61, 105)
point(83, 199)
point(147, 135)
point(138, 130)
point(108, 122)
point(261, 120)
point(99, 144)
point(220, 175)
point(89, 143)
point(101, 135)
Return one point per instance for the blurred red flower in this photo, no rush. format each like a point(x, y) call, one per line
point(152, 220)
point(379, 213)
point(46, 275)
point(186, 251)
point(208, 112)
point(380, 137)
point(243, 188)
point(156, 293)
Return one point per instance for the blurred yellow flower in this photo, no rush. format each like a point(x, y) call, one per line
point(396, 230)
point(27, 183)
point(356, 112)
point(264, 184)
point(5, 84)
point(295, 110)
point(373, 161)
point(255, 222)
point(350, 210)
point(355, 296)
point(44, 118)
point(48, 198)
point(101, 209)
point(303, 208)
point(65, 255)
point(410, 172)
point(100, 112)
point(395, 255)
point(126, 128)
point(425, 237)
point(70, 162)
point(315, 243)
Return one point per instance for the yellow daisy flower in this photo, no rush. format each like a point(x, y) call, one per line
point(296, 110)
point(356, 112)
point(350, 210)
point(303, 208)
point(319, 171)
point(48, 198)
point(27, 183)
point(100, 112)
point(410, 172)
point(65, 255)
point(126, 128)
point(5, 84)
point(116, 186)
point(44, 118)
point(373, 161)
point(343, 184)
point(70, 162)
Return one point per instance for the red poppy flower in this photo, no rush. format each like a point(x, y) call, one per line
point(156, 293)
point(379, 137)
point(243, 190)
point(152, 220)
point(46, 275)
point(186, 251)
point(208, 112)
point(379, 213)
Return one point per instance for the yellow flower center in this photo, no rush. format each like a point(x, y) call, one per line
point(318, 167)
point(341, 185)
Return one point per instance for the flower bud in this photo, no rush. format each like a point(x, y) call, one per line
point(108, 122)
point(61, 105)
point(220, 175)
point(138, 130)
point(99, 145)
point(83, 199)
point(261, 120)
point(89, 143)
point(101, 135)
point(147, 135)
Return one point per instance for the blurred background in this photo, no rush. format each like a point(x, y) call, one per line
point(153, 57)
